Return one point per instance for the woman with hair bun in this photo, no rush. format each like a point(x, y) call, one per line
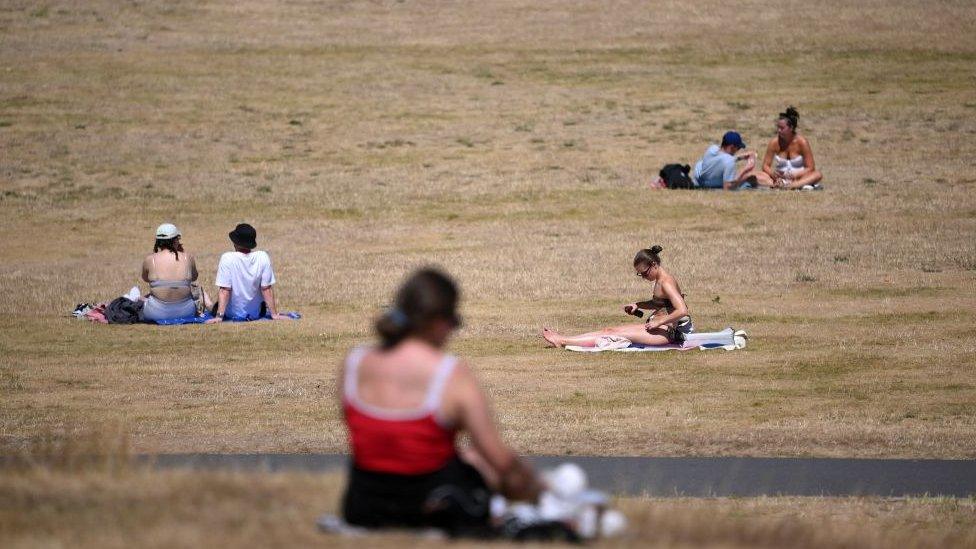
point(789, 163)
point(405, 403)
point(668, 321)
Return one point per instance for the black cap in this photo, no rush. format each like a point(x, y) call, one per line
point(244, 236)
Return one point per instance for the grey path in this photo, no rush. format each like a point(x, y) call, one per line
point(691, 477)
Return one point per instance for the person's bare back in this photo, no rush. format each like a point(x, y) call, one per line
point(164, 266)
point(398, 379)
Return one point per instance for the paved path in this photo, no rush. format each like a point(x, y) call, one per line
point(694, 477)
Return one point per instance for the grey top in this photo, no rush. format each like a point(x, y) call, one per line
point(715, 167)
point(169, 283)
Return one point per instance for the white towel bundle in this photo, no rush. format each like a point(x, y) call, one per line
point(569, 500)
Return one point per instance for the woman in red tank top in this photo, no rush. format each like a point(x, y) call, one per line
point(404, 404)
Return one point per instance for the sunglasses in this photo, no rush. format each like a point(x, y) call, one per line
point(643, 273)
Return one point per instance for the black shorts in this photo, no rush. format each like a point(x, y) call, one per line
point(454, 499)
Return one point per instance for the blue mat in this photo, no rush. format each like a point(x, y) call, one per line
point(207, 316)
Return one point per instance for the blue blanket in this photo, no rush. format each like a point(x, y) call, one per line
point(207, 316)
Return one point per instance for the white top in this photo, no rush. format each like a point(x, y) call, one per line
point(245, 275)
point(430, 406)
point(787, 166)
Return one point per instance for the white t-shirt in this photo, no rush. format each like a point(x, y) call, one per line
point(245, 275)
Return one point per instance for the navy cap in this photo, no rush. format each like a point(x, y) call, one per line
point(733, 138)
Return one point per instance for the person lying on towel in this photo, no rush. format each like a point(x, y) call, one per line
point(405, 402)
point(668, 321)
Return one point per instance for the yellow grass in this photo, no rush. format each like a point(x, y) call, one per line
point(509, 142)
point(97, 508)
point(84, 491)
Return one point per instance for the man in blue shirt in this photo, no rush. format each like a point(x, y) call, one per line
point(716, 169)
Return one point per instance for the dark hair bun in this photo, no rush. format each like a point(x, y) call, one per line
point(791, 115)
point(655, 249)
point(426, 295)
point(389, 329)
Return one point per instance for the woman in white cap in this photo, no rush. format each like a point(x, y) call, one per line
point(169, 270)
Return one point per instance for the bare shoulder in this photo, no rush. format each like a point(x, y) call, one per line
point(669, 285)
point(463, 370)
point(667, 279)
point(463, 377)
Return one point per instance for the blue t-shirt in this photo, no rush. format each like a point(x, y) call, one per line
point(714, 168)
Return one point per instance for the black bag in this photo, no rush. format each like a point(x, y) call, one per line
point(123, 310)
point(675, 176)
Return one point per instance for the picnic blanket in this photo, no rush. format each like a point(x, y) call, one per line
point(728, 339)
point(207, 316)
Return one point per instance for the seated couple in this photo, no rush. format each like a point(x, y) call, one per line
point(668, 321)
point(244, 276)
point(788, 163)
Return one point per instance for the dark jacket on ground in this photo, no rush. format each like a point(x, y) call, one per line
point(123, 310)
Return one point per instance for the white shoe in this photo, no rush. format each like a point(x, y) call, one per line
point(739, 338)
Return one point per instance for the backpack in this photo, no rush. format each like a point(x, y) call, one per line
point(675, 176)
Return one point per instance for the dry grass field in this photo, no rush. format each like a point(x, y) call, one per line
point(63, 497)
point(509, 142)
point(186, 509)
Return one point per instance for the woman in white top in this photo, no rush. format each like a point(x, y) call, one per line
point(169, 270)
point(789, 160)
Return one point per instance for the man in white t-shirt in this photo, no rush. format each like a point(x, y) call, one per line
point(246, 280)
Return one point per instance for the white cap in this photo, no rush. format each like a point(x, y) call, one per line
point(167, 231)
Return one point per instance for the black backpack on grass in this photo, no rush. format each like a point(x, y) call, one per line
point(675, 176)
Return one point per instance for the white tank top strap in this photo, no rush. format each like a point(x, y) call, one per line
point(438, 382)
point(351, 383)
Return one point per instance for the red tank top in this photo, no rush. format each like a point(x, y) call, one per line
point(405, 442)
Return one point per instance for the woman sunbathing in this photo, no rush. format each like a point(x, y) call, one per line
point(405, 402)
point(668, 321)
point(788, 163)
point(169, 271)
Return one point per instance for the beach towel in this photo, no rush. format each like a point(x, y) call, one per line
point(728, 339)
point(207, 316)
